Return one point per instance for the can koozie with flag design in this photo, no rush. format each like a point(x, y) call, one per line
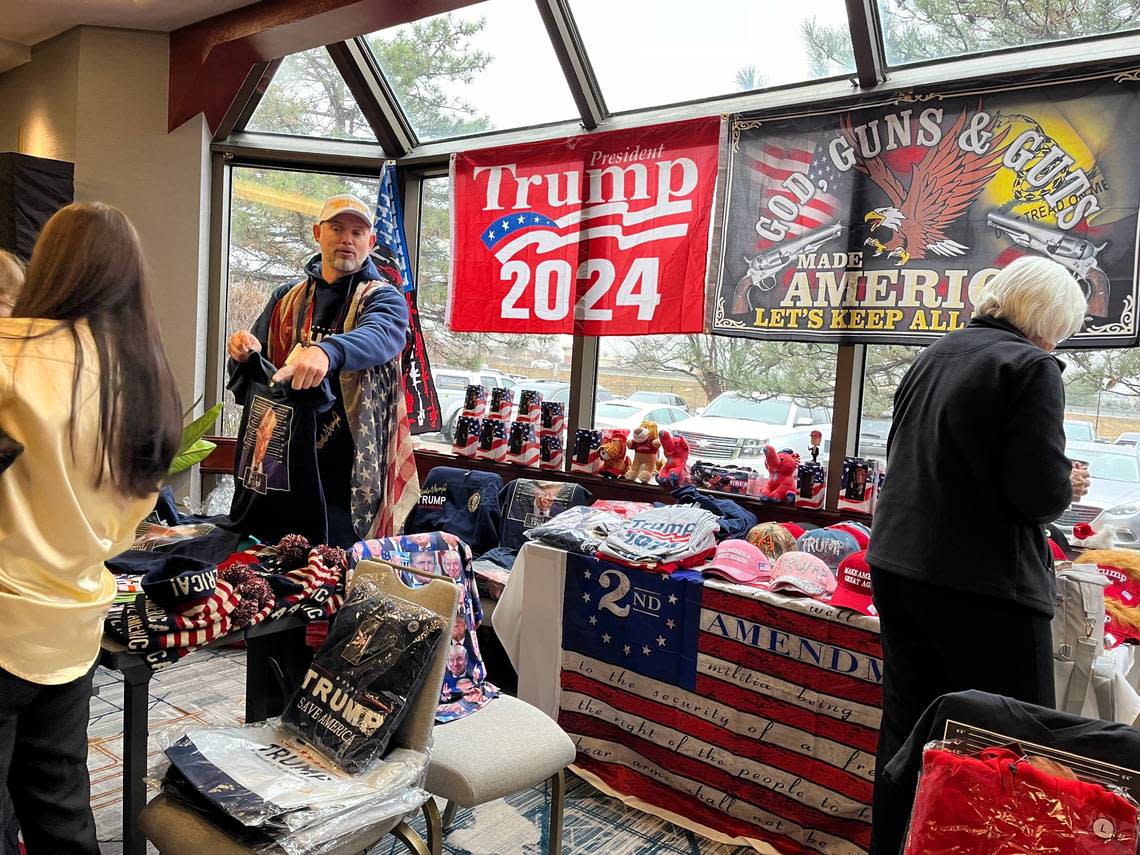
point(468, 429)
point(858, 485)
point(586, 458)
point(811, 485)
point(475, 401)
point(530, 402)
point(553, 419)
point(492, 440)
point(502, 402)
point(523, 446)
point(551, 454)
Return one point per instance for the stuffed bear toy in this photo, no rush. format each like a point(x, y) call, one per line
point(613, 453)
point(675, 472)
point(782, 468)
point(645, 444)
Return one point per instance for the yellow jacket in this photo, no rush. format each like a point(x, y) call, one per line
point(56, 527)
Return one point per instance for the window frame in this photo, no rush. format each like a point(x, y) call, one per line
point(234, 146)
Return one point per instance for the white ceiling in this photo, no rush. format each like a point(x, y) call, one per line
point(30, 21)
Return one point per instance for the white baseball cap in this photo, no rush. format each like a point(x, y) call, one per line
point(345, 203)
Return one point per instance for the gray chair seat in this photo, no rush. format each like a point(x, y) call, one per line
point(506, 747)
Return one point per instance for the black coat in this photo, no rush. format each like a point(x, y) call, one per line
point(975, 467)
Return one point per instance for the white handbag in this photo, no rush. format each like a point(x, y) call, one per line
point(1084, 676)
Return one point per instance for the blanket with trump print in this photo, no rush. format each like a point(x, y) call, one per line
point(746, 716)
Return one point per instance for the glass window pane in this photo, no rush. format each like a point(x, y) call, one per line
point(740, 394)
point(1102, 429)
point(272, 212)
point(651, 52)
point(458, 359)
point(308, 98)
point(485, 67)
point(920, 30)
point(886, 365)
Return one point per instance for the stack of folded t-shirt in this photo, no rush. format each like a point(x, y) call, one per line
point(582, 529)
point(663, 539)
point(315, 780)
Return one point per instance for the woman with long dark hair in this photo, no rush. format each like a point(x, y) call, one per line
point(85, 387)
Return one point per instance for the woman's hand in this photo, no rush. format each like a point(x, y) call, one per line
point(1079, 478)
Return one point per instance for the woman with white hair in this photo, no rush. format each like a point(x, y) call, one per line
point(961, 571)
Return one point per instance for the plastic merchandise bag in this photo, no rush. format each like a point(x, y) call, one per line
point(260, 783)
point(362, 680)
point(1002, 802)
point(220, 499)
point(578, 529)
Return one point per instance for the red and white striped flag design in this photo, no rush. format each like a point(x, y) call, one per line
point(782, 158)
point(775, 745)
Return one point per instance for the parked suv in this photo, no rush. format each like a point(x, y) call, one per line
point(735, 427)
point(451, 387)
point(659, 398)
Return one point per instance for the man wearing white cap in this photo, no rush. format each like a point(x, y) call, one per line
point(344, 320)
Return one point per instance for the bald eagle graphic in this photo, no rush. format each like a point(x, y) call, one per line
point(942, 186)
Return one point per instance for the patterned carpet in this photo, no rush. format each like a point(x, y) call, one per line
point(210, 688)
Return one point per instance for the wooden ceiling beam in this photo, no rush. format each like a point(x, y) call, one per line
point(211, 60)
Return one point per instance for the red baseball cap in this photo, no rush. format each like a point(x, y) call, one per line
point(853, 585)
point(740, 561)
point(857, 530)
point(795, 529)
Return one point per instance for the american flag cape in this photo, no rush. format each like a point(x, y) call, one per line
point(422, 400)
point(748, 717)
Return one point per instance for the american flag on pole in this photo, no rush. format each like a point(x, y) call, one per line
point(778, 160)
point(746, 716)
point(422, 400)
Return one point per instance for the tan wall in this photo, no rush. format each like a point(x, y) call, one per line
point(97, 97)
point(38, 100)
point(126, 158)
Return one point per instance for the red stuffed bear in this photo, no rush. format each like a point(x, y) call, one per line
point(675, 472)
point(782, 468)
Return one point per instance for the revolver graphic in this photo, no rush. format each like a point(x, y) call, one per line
point(762, 269)
point(1075, 253)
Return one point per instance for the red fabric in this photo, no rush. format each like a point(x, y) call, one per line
point(1058, 552)
point(597, 234)
point(998, 804)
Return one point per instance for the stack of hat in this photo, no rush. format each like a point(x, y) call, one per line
point(741, 562)
point(829, 564)
point(830, 545)
point(187, 603)
point(853, 585)
point(802, 573)
point(773, 539)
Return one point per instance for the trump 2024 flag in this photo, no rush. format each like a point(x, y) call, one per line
point(599, 234)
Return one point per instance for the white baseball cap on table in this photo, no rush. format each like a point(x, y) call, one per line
point(346, 203)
